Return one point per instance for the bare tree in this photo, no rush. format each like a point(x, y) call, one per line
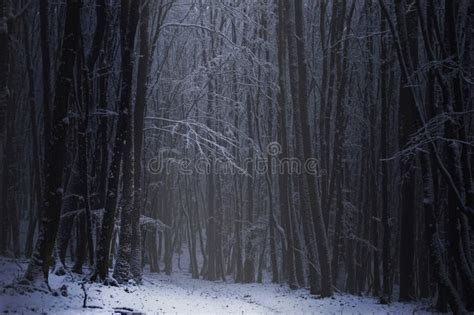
point(55, 150)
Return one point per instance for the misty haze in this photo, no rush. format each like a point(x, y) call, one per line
point(236, 157)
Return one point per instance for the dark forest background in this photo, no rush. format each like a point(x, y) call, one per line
point(379, 93)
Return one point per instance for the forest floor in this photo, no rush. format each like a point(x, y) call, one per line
point(180, 294)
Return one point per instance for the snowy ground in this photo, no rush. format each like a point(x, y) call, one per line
point(179, 294)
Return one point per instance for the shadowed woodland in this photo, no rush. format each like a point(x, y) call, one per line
point(378, 94)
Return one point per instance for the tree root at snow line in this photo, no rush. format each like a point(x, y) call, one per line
point(94, 277)
point(25, 286)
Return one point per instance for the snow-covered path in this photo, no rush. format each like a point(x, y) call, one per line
point(179, 294)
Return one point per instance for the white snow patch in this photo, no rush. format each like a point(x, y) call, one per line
point(179, 294)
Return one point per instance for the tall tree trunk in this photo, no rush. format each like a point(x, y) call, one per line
point(283, 178)
point(337, 172)
point(4, 101)
point(37, 171)
point(385, 112)
point(239, 277)
point(446, 285)
point(4, 72)
point(55, 150)
point(304, 191)
point(458, 163)
point(128, 24)
point(142, 85)
point(302, 110)
point(408, 30)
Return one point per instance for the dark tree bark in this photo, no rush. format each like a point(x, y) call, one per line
point(446, 285)
point(140, 105)
point(55, 149)
point(331, 49)
point(87, 69)
point(101, 152)
point(46, 67)
point(283, 178)
point(238, 249)
point(37, 176)
point(4, 101)
point(384, 114)
point(459, 167)
point(128, 24)
point(408, 30)
point(4, 68)
point(302, 110)
point(337, 173)
point(304, 191)
point(9, 104)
